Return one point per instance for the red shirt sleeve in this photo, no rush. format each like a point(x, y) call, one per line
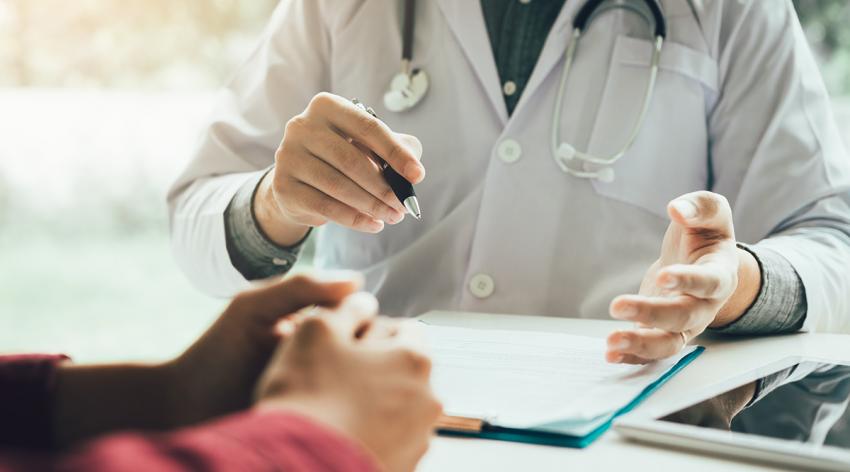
point(26, 387)
point(273, 441)
point(268, 441)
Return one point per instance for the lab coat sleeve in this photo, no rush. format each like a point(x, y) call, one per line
point(285, 71)
point(776, 152)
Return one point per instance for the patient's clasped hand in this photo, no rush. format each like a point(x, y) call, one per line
point(325, 382)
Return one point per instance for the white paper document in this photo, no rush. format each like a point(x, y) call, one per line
point(526, 379)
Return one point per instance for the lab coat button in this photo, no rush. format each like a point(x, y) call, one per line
point(482, 285)
point(509, 151)
point(509, 88)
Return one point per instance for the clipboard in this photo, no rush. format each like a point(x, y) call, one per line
point(455, 426)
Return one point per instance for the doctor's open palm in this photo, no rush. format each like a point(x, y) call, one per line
point(687, 289)
point(324, 172)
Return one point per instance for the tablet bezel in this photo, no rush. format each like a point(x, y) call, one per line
point(647, 427)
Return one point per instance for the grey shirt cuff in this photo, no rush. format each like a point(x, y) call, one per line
point(251, 252)
point(781, 303)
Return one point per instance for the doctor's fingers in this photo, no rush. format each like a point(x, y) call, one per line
point(333, 183)
point(642, 345)
point(705, 214)
point(351, 161)
point(711, 280)
point(374, 133)
point(312, 207)
point(677, 314)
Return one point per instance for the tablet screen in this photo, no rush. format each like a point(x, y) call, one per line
point(806, 403)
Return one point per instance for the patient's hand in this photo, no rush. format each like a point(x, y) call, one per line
point(218, 373)
point(701, 279)
point(364, 376)
point(216, 376)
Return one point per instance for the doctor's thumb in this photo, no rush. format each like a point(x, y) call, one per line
point(702, 209)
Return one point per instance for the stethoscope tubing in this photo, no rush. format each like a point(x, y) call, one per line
point(562, 152)
point(569, 57)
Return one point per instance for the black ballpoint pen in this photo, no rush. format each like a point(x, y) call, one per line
point(402, 188)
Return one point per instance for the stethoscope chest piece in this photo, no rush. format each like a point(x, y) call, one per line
point(406, 90)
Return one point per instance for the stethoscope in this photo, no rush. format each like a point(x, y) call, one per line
point(410, 86)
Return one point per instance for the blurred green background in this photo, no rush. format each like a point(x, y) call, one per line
point(101, 102)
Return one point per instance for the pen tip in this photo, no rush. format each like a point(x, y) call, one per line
point(412, 206)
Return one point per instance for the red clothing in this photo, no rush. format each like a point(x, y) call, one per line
point(247, 441)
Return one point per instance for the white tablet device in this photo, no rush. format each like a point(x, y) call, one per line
point(795, 417)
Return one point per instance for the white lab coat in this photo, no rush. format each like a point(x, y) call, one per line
point(739, 108)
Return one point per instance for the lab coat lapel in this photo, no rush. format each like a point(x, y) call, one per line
point(466, 21)
point(553, 51)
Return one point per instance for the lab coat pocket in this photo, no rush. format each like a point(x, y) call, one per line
point(669, 157)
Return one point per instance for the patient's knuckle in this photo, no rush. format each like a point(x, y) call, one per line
point(242, 301)
point(414, 360)
point(314, 329)
point(299, 283)
point(273, 386)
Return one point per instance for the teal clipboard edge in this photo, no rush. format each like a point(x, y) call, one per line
point(547, 438)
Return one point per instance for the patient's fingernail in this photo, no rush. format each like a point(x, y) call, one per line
point(335, 276)
point(620, 345)
point(362, 302)
point(685, 208)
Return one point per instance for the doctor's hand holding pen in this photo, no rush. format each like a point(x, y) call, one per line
point(324, 172)
point(701, 280)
